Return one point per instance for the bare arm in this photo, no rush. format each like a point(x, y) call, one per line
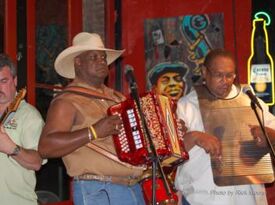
point(27, 158)
point(258, 135)
point(58, 140)
point(30, 159)
point(209, 143)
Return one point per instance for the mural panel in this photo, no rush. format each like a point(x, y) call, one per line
point(175, 49)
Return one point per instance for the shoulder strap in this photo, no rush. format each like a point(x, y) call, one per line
point(111, 156)
point(86, 92)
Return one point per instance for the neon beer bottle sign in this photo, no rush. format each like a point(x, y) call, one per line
point(260, 63)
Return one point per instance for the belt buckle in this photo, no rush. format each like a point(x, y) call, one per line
point(107, 178)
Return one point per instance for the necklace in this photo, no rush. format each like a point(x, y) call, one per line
point(238, 87)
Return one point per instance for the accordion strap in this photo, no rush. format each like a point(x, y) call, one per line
point(112, 156)
point(87, 92)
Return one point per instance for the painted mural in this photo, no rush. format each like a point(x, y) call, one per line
point(175, 49)
point(51, 40)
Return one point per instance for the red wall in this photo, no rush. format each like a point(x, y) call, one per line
point(237, 28)
point(237, 31)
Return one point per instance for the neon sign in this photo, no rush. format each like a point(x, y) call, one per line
point(260, 63)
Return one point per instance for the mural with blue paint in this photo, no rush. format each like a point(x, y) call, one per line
point(183, 40)
point(193, 29)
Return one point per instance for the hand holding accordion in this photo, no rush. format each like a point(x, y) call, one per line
point(165, 130)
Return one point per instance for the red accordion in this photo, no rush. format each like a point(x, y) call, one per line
point(131, 144)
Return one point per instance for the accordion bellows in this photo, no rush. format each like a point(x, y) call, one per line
point(132, 144)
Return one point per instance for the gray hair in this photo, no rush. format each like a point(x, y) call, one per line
point(5, 60)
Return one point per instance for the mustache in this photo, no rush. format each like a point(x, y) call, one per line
point(100, 69)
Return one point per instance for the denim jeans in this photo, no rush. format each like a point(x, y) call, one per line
point(184, 201)
point(94, 192)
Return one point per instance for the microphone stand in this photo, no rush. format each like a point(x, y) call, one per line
point(253, 106)
point(154, 158)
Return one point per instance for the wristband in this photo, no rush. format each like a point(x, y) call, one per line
point(92, 130)
point(15, 151)
point(89, 134)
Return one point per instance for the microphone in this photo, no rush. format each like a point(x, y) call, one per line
point(129, 72)
point(253, 98)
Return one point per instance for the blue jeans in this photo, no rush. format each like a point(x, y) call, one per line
point(94, 192)
point(184, 201)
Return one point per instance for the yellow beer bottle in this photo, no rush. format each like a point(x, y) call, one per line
point(260, 63)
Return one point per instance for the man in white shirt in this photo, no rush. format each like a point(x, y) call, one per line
point(195, 178)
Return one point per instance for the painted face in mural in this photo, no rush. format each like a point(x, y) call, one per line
point(170, 84)
point(219, 76)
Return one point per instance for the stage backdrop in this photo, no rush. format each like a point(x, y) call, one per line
point(152, 27)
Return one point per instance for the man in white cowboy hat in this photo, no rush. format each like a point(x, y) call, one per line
point(79, 130)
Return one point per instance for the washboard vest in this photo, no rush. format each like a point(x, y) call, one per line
point(243, 162)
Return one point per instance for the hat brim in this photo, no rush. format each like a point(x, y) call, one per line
point(64, 63)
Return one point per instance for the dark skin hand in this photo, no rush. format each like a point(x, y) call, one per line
point(209, 143)
point(259, 137)
point(108, 126)
point(181, 127)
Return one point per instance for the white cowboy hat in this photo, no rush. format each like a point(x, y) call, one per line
point(64, 63)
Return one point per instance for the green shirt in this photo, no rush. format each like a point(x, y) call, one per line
point(17, 183)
